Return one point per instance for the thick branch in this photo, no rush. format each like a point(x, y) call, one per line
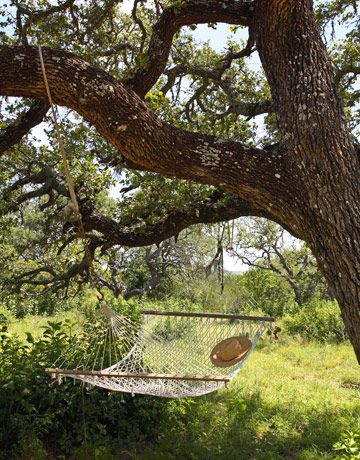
point(258, 176)
point(14, 132)
point(171, 20)
point(216, 208)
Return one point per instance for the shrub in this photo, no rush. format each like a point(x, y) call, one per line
point(93, 452)
point(171, 329)
point(267, 292)
point(171, 304)
point(320, 320)
point(34, 414)
point(29, 447)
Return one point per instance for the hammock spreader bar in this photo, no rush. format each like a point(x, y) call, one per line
point(131, 375)
point(207, 315)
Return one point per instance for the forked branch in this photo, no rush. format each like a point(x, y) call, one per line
point(27, 120)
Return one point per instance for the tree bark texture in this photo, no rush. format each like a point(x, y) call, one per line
point(309, 183)
point(322, 157)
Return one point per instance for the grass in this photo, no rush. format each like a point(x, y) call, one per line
point(290, 401)
point(35, 323)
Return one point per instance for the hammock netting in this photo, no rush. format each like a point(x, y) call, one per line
point(166, 354)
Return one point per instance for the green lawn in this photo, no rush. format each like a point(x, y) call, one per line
point(290, 401)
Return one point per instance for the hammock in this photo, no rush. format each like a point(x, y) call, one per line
point(169, 354)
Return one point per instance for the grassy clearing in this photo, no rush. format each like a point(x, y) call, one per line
point(291, 401)
point(35, 323)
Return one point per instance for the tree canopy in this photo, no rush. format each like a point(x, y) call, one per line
point(188, 134)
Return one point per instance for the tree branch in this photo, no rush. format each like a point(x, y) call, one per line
point(239, 107)
point(236, 105)
point(217, 208)
point(36, 15)
point(346, 69)
point(49, 181)
point(15, 131)
point(261, 177)
point(52, 280)
point(170, 22)
point(217, 75)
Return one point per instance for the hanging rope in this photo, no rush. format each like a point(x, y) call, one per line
point(231, 229)
point(220, 252)
point(70, 184)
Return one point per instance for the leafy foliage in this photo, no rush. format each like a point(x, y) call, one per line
point(34, 414)
point(349, 446)
point(202, 90)
point(291, 412)
point(320, 320)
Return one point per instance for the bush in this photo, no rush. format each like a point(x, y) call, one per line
point(29, 446)
point(255, 289)
point(170, 304)
point(93, 452)
point(36, 412)
point(44, 304)
point(267, 292)
point(320, 320)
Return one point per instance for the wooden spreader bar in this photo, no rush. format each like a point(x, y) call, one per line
point(139, 375)
point(207, 315)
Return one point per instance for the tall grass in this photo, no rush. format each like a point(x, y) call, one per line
point(292, 400)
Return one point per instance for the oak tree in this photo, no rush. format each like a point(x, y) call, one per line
point(121, 73)
point(264, 245)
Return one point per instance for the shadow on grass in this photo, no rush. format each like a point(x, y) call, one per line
point(227, 427)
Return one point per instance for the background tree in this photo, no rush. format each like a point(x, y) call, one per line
point(168, 107)
point(264, 245)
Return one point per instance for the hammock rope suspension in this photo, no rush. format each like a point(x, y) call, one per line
point(70, 182)
point(168, 354)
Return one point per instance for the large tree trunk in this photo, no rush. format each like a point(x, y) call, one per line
point(320, 150)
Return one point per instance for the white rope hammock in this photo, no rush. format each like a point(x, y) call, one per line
point(169, 354)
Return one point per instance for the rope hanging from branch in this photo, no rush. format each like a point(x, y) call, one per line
point(70, 183)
